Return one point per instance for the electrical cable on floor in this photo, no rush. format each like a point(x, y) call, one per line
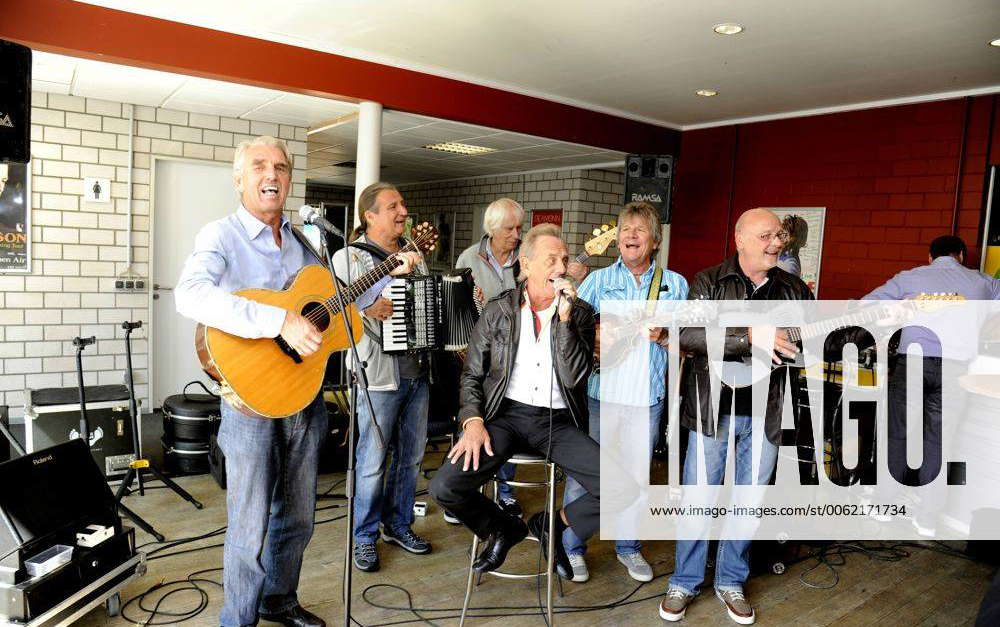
point(830, 556)
point(506, 610)
point(190, 583)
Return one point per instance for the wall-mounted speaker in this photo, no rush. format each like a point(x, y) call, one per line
point(649, 178)
point(15, 98)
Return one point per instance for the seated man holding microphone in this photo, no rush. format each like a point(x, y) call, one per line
point(524, 389)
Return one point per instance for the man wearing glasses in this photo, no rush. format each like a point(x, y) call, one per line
point(751, 274)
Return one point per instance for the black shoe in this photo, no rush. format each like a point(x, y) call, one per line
point(295, 617)
point(497, 545)
point(538, 525)
point(366, 557)
point(510, 506)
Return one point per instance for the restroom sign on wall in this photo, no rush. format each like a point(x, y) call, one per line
point(96, 190)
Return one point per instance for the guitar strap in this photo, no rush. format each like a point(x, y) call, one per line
point(653, 294)
point(302, 239)
point(374, 251)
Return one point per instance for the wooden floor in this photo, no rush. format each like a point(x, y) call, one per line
point(927, 588)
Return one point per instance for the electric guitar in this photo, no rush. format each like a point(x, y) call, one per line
point(884, 310)
point(266, 377)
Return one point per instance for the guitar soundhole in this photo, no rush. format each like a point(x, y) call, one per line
point(317, 314)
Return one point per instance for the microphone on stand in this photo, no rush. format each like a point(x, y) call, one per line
point(310, 215)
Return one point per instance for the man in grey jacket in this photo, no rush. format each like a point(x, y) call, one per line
point(398, 387)
point(495, 268)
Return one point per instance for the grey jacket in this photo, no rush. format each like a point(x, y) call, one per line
point(483, 274)
point(382, 370)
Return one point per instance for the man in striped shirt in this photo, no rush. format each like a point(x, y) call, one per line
point(634, 276)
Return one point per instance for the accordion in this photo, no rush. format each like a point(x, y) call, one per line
point(429, 313)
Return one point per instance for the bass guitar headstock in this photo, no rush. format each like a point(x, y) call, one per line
point(604, 236)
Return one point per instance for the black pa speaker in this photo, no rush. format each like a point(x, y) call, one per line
point(648, 178)
point(15, 108)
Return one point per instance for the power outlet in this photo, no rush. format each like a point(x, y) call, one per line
point(130, 285)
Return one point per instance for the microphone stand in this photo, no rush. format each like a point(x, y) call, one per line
point(359, 375)
point(81, 343)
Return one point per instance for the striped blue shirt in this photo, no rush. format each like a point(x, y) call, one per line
point(616, 283)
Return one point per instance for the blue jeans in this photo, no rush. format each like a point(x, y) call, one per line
point(381, 494)
point(732, 563)
point(505, 474)
point(271, 469)
point(573, 544)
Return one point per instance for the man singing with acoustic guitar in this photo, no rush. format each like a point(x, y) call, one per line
point(271, 464)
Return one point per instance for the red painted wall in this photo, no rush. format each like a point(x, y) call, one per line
point(886, 176)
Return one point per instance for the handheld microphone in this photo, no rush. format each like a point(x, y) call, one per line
point(559, 293)
point(310, 215)
point(84, 341)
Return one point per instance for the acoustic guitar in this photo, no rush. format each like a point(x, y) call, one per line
point(266, 377)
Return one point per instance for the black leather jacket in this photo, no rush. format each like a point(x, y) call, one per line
point(491, 354)
point(726, 281)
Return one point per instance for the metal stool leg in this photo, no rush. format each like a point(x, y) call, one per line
point(468, 583)
point(551, 506)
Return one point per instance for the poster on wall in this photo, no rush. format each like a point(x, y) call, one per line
point(552, 216)
point(15, 218)
point(803, 251)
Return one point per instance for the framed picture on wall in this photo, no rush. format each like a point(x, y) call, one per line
point(803, 251)
point(15, 218)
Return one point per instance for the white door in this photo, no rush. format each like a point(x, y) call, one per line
point(187, 195)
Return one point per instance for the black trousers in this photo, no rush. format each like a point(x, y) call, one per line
point(942, 398)
point(522, 428)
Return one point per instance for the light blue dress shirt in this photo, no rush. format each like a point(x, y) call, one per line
point(235, 253)
point(947, 276)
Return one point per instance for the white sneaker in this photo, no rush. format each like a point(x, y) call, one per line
point(638, 568)
point(580, 572)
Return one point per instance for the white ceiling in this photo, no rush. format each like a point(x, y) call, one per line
point(644, 59)
point(93, 79)
point(403, 159)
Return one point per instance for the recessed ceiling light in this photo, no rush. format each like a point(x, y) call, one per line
point(707, 93)
point(995, 42)
point(460, 149)
point(728, 28)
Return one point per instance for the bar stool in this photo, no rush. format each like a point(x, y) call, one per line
point(550, 483)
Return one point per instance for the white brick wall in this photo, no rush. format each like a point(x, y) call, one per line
point(79, 247)
point(587, 198)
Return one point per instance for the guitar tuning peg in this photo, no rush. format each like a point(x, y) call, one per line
point(596, 232)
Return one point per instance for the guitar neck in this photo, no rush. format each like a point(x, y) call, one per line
point(582, 257)
point(370, 278)
point(824, 327)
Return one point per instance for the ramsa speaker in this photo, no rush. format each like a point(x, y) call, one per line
point(15, 94)
point(648, 178)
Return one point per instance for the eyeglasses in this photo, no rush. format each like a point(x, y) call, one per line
point(765, 238)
